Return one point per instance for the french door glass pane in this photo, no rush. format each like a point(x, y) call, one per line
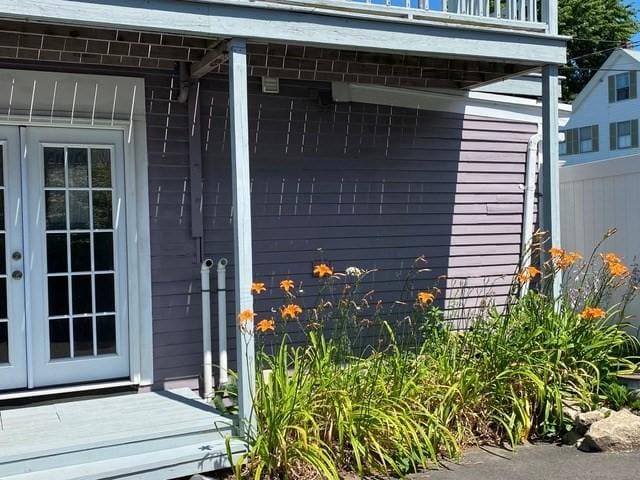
point(80, 260)
point(100, 168)
point(78, 210)
point(4, 342)
point(56, 210)
point(80, 252)
point(78, 167)
point(83, 336)
point(53, 167)
point(3, 256)
point(106, 334)
point(59, 346)
point(56, 252)
point(3, 295)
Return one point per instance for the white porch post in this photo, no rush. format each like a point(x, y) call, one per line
point(550, 219)
point(242, 227)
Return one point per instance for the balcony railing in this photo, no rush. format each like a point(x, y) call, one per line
point(510, 11)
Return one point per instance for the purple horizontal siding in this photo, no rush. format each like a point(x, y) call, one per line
point(351, 184)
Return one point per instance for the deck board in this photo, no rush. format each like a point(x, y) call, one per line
point(40, 431)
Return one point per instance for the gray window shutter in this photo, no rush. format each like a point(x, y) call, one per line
point(633, 84)
point(595, 139)
point(575, 140)
point(612, 88)
point(613, 136)
point(634, 133)
point(568, 136)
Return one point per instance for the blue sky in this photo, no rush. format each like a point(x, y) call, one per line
point(636, 3)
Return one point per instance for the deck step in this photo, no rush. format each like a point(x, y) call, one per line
point(163, 435)
point(92, 453)
point(163, 464)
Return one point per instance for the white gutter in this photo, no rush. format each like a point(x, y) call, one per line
point(531, 174)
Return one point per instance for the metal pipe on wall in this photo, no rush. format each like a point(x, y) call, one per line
point(207, 363)
point(222, 321)
point(529, 201)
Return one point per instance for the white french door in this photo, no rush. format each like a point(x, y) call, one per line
point(65, 273)
point(13, 353)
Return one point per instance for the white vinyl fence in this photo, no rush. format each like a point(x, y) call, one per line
point(597, 196)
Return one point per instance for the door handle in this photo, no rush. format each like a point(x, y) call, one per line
point(16, 275)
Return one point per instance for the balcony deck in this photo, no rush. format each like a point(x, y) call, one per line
point(504, 31)
point(159, 435)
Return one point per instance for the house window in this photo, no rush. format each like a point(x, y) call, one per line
point(580, 140)
point(562, 147)
point(586, 140)
point(623, 87)
point(623, 134)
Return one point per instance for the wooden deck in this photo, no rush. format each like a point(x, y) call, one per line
point(159, 436)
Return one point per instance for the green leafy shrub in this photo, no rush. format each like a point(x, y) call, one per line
point(425, 390)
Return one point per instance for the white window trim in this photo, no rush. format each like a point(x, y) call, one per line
point(137, 200)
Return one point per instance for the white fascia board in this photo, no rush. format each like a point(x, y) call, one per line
point(235, 19)
point(454, 101)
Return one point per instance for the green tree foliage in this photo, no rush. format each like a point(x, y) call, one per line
point(594, 25)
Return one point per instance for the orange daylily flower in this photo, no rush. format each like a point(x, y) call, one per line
point(292, 311)
point(610, 258)
point(528, 273)
point(615, 265)
point(258, 288)
point(556, 252)
point(562, 258)
point(266, 325)
point(425, 298)
point(592, 313)
point(287, 285)
point(245, 316)
point(322, 270)
point(618, 270)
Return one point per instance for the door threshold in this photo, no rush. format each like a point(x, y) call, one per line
point(65, 390)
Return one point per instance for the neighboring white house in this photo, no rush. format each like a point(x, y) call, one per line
point(604, 122)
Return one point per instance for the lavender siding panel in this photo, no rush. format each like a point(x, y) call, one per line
point(374, 186)
point(370, 186)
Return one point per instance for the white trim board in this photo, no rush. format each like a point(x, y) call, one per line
point(454, 101)
point(55, 99)
point(233, 19)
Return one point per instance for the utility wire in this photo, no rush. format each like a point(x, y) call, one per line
point(569, 67)
point(632, 44)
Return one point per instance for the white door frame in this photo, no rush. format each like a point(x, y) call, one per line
point(61, 99)
point(137, 240)
point(14, 374)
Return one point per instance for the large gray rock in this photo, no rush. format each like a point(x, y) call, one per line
point(584, 420)
point(619, 432)
point(570, 410)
